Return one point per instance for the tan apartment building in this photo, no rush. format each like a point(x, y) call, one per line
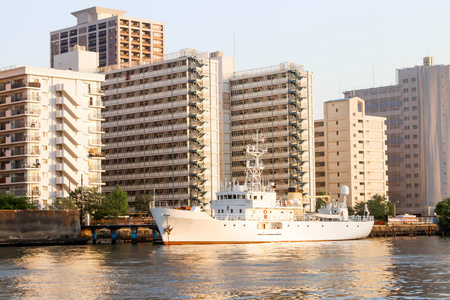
point(350, 150)
point(278, 102)
point(417, 110)
point(118, 39)
point(162, 128)
point(50, 133)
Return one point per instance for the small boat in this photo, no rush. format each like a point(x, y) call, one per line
point(251, 213)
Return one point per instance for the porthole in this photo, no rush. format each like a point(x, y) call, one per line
point(298, 226)
point(307, 225)
point(347, 225)
point(234, 225)
point(358, 226)
point(244, 225)
point(322, 225)
point(224, 225)
point(288, 225)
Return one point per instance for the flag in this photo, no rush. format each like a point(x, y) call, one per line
point(366, 210)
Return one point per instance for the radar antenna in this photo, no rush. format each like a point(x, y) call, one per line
point(254, 168)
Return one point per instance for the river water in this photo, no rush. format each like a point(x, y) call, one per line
point(395, 268)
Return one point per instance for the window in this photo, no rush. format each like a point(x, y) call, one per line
point(359, 107)
point(413, 89)
point(337, 132)
point(337, 110)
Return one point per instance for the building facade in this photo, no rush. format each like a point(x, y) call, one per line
point(117, 39)
point(50, 133)
point(162, 128)
point(278, 103)
point(417, 111)
point(350, 150)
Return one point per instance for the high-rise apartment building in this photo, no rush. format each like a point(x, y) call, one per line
point(278, 102)
point(350, 150)
point(50, 133)
point(417, 110)
point(117, 39)
point(162, 128)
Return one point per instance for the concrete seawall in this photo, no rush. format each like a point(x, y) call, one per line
point(405, 230)
point(38, 227)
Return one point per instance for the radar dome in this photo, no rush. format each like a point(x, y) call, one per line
point(345, 190)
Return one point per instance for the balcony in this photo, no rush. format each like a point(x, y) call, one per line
point(95, 167)
point(68, 171)
point(96, 117)
point(96, 143)
point(96, 104)
point(25, 179)
point(62, 194)
point(19, 152)
point(96, 129)
point(69, 118)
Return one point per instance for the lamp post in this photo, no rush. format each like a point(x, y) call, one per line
point(395, 207)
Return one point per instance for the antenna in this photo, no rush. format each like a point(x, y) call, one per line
point(339, 84)
point(373, 76)
point(234, 44)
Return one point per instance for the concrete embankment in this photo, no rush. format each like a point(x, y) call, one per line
point(39, 227)
point(405, 230)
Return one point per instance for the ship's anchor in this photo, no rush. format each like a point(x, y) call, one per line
point(168, 229)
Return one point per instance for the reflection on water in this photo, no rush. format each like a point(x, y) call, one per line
point(392, 267)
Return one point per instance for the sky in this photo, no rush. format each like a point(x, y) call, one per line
point(346, 44)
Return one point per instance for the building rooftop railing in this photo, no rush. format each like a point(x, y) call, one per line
point(142, 62)
point(281, 67)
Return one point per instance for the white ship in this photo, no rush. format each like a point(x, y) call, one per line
point(250, 213)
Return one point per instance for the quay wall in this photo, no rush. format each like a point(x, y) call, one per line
point(38, 226)
point(405, 230)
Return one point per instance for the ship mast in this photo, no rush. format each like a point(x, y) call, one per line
point(254, 168)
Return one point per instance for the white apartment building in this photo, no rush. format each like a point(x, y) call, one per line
point(50, 133)
point(118, 39)
point(162, 124)
point(278, 102)
point(350, 150)
point(417, 110)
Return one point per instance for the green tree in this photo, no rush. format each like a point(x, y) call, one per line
point(358, 209)
point(141, 203)
point(319, 203)
point(443, 211)
point(87, 199)
point(391, 208)
point(113, 205)
point(378, 207)
point(351, 211)
point(65, 203)
point(11, 201)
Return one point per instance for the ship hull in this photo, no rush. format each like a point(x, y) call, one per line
point(194, 227)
